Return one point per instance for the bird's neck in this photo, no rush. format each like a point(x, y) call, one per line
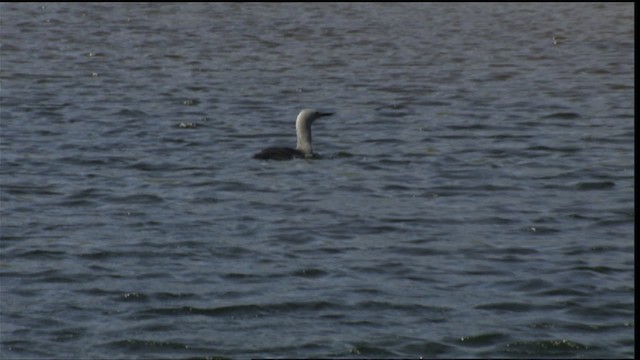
point(303, 132)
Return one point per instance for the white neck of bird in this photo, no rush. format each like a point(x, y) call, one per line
point(303, 132)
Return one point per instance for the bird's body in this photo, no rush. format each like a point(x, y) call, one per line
point(303, 132)
point(278, 153)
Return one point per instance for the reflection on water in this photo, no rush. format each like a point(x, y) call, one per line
point(474, 197)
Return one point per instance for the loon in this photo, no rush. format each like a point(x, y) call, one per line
point(303, 132)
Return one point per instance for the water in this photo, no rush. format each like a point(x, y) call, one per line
point(474, 199)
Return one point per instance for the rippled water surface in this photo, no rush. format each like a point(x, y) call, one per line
point(474, 197)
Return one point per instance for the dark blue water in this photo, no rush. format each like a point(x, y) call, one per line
point(474, 196)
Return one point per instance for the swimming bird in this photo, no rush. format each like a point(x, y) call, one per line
point(303, 132)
